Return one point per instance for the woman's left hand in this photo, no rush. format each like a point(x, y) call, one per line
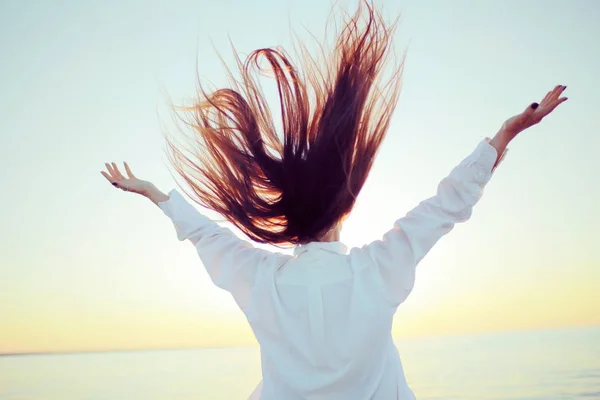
point(132, 184)
point(129, 184)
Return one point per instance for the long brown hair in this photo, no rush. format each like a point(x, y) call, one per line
point(334, 117)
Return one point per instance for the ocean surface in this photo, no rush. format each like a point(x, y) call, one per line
point(551, 364)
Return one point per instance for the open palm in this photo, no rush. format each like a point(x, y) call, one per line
point(130, 183)
point(535, 112)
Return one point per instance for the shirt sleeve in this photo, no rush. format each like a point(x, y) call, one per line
point(404, 246)
point(231, 262)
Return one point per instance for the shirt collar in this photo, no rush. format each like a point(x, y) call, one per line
point(332, 247)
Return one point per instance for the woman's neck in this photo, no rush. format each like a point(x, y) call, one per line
point(333, 235)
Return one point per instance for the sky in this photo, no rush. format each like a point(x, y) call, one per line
point(87, 267)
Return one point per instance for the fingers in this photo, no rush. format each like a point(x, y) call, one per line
point(114, 176)
point(557, 92)
point(110, 171)
point(552, 100)
point(117, 172)
point(113, 182)
point(107, 176)
point(547, 96)
point(556, 104)
point(128, 170)
point(553, 95)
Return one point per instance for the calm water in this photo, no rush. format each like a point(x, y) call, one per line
point(558, 364)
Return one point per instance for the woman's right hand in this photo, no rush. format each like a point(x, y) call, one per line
point(535, 112)
point(532, 115)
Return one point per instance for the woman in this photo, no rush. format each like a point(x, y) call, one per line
point(322, 316)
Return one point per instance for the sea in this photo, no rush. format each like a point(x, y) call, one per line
point(531, 365)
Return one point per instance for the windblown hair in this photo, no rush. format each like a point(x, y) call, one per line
point(334, 116)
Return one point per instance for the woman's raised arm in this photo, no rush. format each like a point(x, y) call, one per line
point(413, 236)
point(232, 263)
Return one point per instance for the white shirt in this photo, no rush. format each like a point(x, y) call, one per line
point(323, 317)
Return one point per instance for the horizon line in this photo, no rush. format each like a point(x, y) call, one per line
point(176, 348)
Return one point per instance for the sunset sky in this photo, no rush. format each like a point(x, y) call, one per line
point(87, 267)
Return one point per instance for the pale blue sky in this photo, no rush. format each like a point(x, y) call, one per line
point(84, 82)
